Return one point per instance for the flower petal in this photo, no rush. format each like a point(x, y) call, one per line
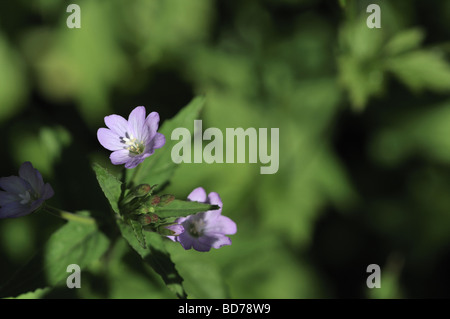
point(221, 225)
point(32, 176)
point(47, 192)
point(14, 185)
point(197, 195)
point(214, 199)
point(180, 220)
point(135, 161)
point(136, 121)
point(117, 124)
point(152, 122)
point(172, 238)
point(220, 241)
point(159, 140)
point(13, 210)
point(120, 157)
point(185, 240)
point(203, 243)
point(109, 140)
point(6, 198)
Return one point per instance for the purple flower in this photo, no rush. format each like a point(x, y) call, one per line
point(23, 194)
point(205, 229)
point(131, 141)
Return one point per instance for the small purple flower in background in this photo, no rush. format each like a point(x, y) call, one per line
point(205, 229)
point(23, 194)
point(131, 141)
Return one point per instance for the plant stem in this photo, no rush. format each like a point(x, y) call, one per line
point(136, 170)
point(68, 216)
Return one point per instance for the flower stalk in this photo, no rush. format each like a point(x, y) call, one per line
point(67, 215)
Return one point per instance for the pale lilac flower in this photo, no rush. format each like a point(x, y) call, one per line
point(205, 229)
point(23, 194)
point(131, 141)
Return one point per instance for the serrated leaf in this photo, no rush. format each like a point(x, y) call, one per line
point(158, 168)
point(74, 243)
point(138, 232)
point(421, 70)
point(156, 256)
point(181, 208)
point(110, 186)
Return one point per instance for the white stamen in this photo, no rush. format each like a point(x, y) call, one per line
point(133, 145)
point(25, 198)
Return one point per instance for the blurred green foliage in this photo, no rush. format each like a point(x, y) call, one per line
point(364, 138)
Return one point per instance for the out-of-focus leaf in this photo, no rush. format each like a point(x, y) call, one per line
point(361, 80)
point(62, 61)
point(404, 41)
point(202, 275)
point(165, 27)
point(359, 64)
point(13, 85)
point(129, 278)
point(43, 147)
point(423, 132)
point(74, 243)
point(37, 294)
point(156, 256)
point(389, 281)
point(421, 70)
point(158, 168)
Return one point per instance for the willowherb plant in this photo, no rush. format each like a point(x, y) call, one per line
point(145, 217)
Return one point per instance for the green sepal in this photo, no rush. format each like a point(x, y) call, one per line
point(181, 208)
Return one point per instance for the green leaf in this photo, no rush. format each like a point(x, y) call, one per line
point(158, 168)
point(362, 80)
point(138, 232)
point(156, 256)
point(37, 294)
point(110, 185)
point(421, 70)
point(181, 208)
point(404, 41)
point(74, 243)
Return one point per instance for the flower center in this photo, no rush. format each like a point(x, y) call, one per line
point(27, 197)
point(133, 145)
point(196, 228)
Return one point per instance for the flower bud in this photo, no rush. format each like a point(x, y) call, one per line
point(154, 200)
point(148, 219)
point(166, 199)
point(141, 211)
point(137, 192)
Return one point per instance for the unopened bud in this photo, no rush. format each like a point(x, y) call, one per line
point(154, 200)
point(148, 219)
point(137, 192)
point(141, 190)
point(141, 211)
point(166, 199)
